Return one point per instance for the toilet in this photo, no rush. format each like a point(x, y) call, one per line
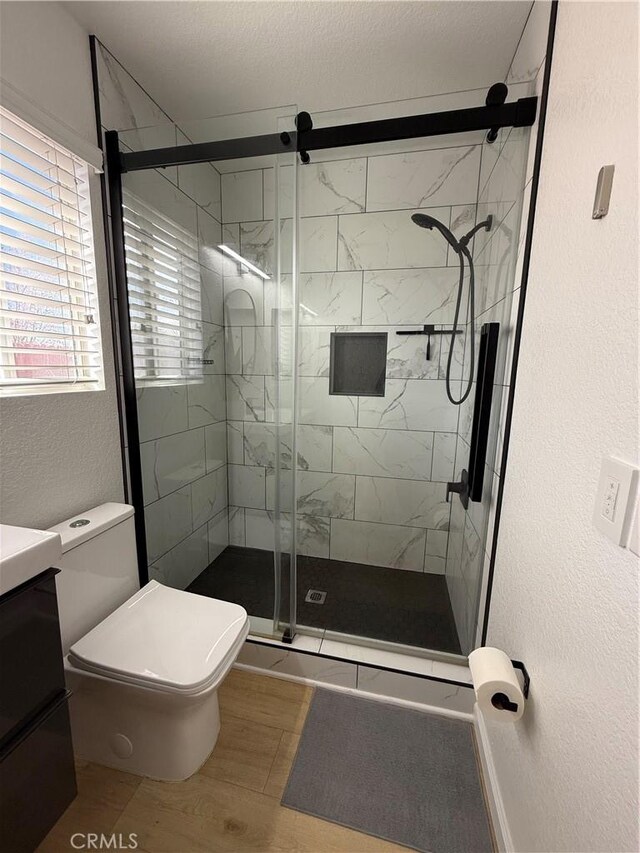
point(143, 665)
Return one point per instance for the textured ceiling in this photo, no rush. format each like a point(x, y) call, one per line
point(199, 59)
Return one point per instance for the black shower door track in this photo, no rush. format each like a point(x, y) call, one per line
point(520, 113)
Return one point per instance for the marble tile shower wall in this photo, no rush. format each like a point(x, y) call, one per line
point(372, 470)
point(182, 426)
point(505, 188)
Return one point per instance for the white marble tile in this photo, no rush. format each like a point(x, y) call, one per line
point(406, 354)
point(381, 658)
point(459, 344)
point(389, 240)
point(382, 452)
point(236, 526)
point(437, 543)
point(286, 662)
point(533, 44)
point(218, 534)
point(247, 486)
point(508, 175)
point(260, 445)
point(285, 192)
point(213, 360)
point(313, 445)
point(233, 348)
point(162, 410)
point(245, 398)
point(318, 244)
point(317, 406)
point(123, 103)
point(242, 196)
point(326, 495)
point(257, 245)
point(231, 235)
point(278, 397)
point(410, 404)
point(313, 535)
point(209, 238)
point(413, 689)
point(301, 642)
point(478, 511)
point(330, 298)
point(243, 300)
point(168, 521)
point(435, 565)
point(409, 297)
point(278, 301)
point(442, 176)
point(463, 219)
point(444, 454)
point(258, 350)
point(206, 401)
point(235, 442)
point(377, 544)
point(314, 349)
point(259, 529)
point(336, 186)
point(284, 485)
point(182, 565)
point(201, 182)
point(411, 503)
point(171, 462)
point(212, 296)
point(208, 496)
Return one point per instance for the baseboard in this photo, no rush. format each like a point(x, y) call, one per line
point(492, 788)
point(377, 697)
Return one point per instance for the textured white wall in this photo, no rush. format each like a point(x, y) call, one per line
point(59, 453)
point(565, 599)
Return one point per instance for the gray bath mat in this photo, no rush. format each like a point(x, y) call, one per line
point(392, 772)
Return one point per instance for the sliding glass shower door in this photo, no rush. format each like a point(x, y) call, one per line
point(209, 251)
point(291, 328)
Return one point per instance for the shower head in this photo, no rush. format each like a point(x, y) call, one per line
point(430, 222)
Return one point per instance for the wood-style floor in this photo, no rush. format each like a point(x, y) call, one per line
point(233, 802)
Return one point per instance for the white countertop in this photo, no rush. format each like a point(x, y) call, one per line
point(24, 553)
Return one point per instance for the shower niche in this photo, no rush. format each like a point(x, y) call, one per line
point(294, 434)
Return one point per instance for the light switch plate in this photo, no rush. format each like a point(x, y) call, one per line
point(616, 499)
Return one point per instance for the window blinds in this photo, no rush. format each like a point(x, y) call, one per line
point(163, 282)
point(49, 333)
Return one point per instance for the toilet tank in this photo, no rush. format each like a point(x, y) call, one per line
point(99, 568)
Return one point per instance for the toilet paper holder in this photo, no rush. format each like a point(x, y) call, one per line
point(518, 664)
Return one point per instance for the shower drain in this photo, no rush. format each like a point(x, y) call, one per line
point(315, 596)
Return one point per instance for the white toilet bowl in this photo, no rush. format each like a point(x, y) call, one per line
point(145, 682)
point(144, 669)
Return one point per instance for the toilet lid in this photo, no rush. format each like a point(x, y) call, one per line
point(165, 638)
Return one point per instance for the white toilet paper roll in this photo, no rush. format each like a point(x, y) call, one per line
point(498, 692)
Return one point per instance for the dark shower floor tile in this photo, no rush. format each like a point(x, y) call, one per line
point(412, 608)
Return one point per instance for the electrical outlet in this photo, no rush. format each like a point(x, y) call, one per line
point(616, 499)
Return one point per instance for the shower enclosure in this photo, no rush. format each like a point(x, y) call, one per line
point(286, 330)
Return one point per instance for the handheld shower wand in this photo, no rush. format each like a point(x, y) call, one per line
point(460, 248)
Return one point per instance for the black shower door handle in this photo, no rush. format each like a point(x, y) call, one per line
point(482, 408)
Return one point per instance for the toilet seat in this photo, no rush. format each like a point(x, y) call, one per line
point(164, 639)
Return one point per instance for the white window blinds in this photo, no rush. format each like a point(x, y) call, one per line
point(163, 281)
point(49, 333)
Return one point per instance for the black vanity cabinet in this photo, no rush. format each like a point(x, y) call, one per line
point(37, 773)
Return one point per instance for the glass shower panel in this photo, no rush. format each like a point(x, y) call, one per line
point(496, 256)
point(373, 526)
point(210, 331)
